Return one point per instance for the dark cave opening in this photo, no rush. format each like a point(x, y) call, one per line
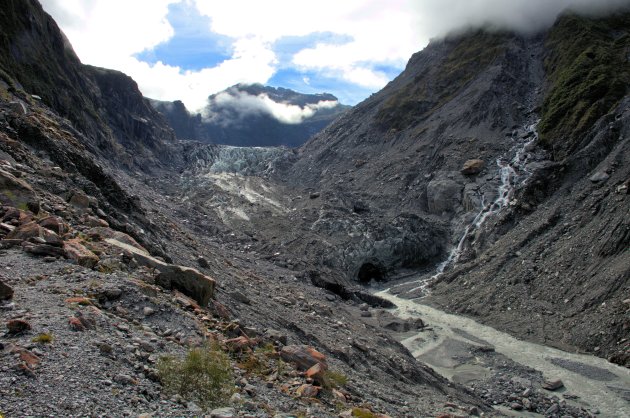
point(369, 272)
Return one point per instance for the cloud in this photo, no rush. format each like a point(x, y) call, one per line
point(376, 35)
point(360, 43)
point(440, 17)
point(231, 106)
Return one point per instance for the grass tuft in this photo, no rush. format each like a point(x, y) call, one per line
point(204, 376)
point(44, 338)
point(332, 379)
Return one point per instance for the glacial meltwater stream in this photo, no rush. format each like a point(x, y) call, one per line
point(598, 383)
point(593, 383)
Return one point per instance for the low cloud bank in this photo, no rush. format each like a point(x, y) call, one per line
point(231, 106)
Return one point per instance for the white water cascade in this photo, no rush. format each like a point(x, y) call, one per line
point(513, 173)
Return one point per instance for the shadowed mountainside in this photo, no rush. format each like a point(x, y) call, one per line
point(237, 117)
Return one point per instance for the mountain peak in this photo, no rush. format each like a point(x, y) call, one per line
point(255, 115)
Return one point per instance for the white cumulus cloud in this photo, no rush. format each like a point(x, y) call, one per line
point(378, 34)
point(244, 104)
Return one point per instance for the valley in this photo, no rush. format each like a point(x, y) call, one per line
point(457, 244)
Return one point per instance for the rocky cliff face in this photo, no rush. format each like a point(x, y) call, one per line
point(465, 159)
point(559, 247)
point(104, 105)
point(239, 116)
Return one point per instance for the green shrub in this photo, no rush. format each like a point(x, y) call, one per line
point(332, 379)
point(43, 339)
point(363, 413)
point(203, 376)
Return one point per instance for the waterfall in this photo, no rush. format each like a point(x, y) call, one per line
point(513, 173)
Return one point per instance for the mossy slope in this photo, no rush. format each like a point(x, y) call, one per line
point(588, 68)
point(468, 55)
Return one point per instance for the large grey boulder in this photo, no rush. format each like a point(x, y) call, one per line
point(443, 195)
point(187, 280)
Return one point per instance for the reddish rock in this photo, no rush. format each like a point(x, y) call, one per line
point(307, 391)
point(55, 224)
point(6, 292)
point(76, 324)
point(79, 300)
point(339, 396)
point(472, 167)
point(239, 344)
point(15, 326)
point(27, 231)
point(30, 359)
point(25, 370)
point(316, 372)
point(76, 251)
point(304, 357)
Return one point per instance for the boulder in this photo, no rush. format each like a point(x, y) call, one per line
point(472, 167)
point(119, 239)
point(27, 231)
point(6, 292)
point(303, 356)
point(223, 413)
point(403, 325)
point(599, 177)
point(17, 193)
point(307, 391)
point(15, 326)
point(79, 200)
point(76, 251)
point(554, 384)
point(188, 281)
point(55, 224)
point(43, 250)
point(443, 195)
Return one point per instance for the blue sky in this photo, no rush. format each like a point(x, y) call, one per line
point(189, 49)
point(194, 47)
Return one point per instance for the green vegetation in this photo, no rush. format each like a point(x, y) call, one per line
point(469, 55)
point(332, 379)
point(259, 361)
point(363, 413)
point(589, 70)
point(43, 338)
point(203, 376)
